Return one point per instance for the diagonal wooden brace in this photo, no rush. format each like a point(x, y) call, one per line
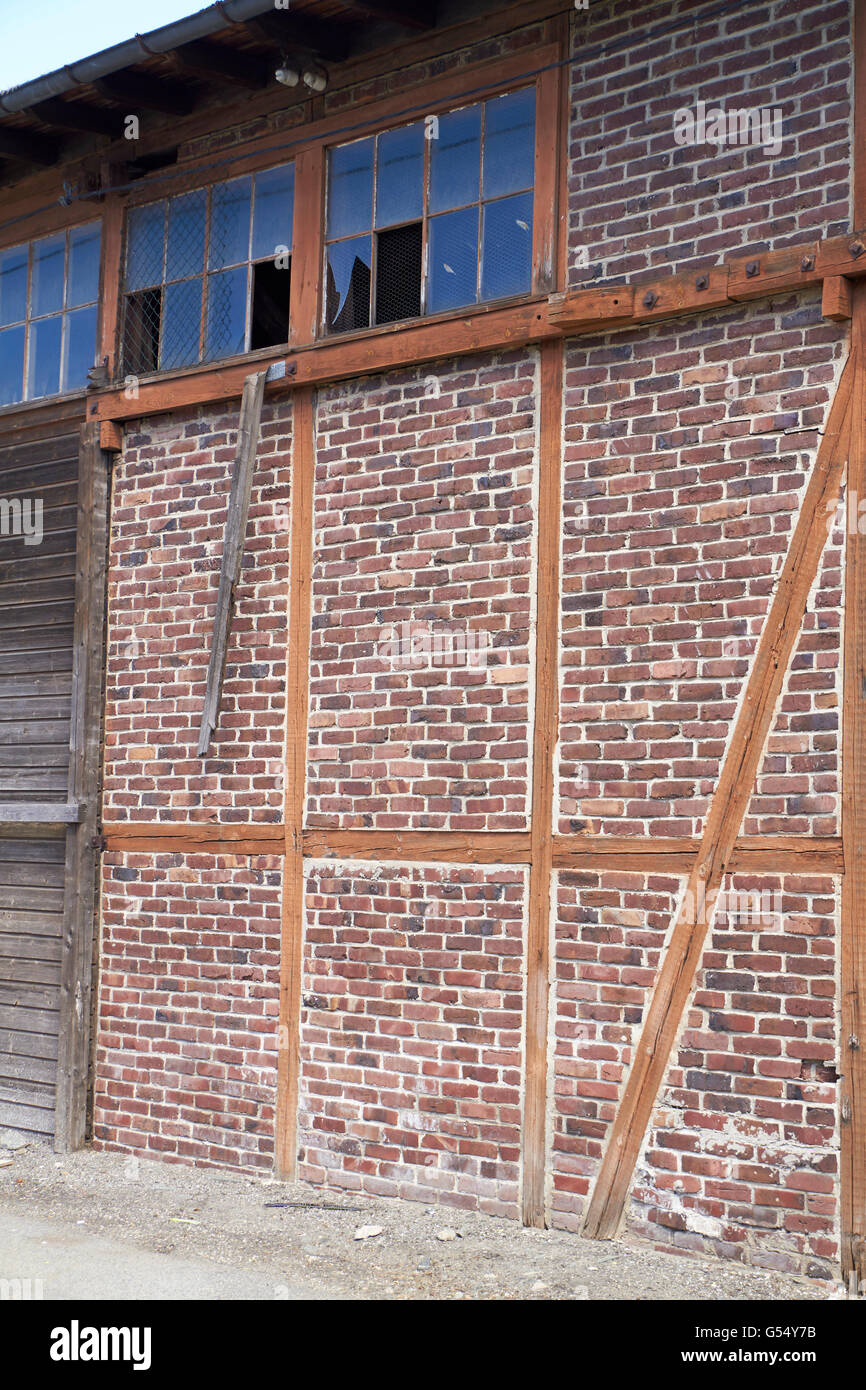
point(724, 818)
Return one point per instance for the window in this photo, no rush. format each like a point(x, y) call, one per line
point(208, 273)
point(48, 314)
point(432, 216)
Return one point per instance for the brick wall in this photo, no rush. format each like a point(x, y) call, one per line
point(685, 457)
point(411, 1029)
point(186, 1045)
point(639, 203)
point(424, 530)
point(169, 497)
point(743, 1151)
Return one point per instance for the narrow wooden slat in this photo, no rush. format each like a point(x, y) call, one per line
point(853, 925)
point(533, 1139)
point(39, 813)
point(233, 549)
point(727, 808)
point(545, 225)
point(300, 599)
point(81, 862)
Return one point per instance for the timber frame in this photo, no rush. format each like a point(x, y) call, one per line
point(545, 318)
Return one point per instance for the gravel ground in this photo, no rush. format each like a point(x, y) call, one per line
point(301, 1242)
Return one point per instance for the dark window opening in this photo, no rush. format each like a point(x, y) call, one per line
point(141, 332)
point(270, 308)
point(398, 273)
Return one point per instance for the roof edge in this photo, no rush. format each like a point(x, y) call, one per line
point(222, 15)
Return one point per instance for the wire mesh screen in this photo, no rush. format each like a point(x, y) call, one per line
point(208, 273)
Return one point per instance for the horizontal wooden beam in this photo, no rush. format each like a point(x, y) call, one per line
point(753, 853)
point(562, 315)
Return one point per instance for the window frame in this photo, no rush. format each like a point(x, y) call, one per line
point(306, 145)
point(184, 185)
point(29, 241)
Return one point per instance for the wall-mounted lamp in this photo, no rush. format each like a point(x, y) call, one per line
point(315, 77)
point(288, 75)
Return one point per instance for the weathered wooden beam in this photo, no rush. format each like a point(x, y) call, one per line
point(432, 846)
point(852, 1049)
point(76, 115)
point(82, 856)
point(545, 724)
point(292, 932)
point(216, 63)
point(27, 147)
point(726, 811)
point(132, 91)
point(752, 854)
point(836, 298)
point(233, 549)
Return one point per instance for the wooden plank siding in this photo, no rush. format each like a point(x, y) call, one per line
point(38, 461)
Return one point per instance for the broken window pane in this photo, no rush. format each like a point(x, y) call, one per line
point(11, 364)
point(400, 175)
point(506, 256)
point(79, 348)
point(398, 273)
point(347, 293)
point(144, 246)
point(181, 328)
point(13, 285)
point(455, 159)
point(226, 322)
point(270, 308)
point(453, 260)
point(272, 216)
point(82, 277)
point(49, 264)
point(44, 368)
point(509, 143)
point(229, 238)
point(350, 188)
point(141, 332)
point(185, 246)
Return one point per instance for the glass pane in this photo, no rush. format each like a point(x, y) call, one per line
point(350, 188)
point(453, 260)
point(13, 285)
point(229, 236)
point(144, 246)
point(506, 266)
point(11, 365)
point(79, 349)
point(82, 277)
point(185, 250)
point(44, 371)
point(226, 323)
point(348, 285)
point(181, 324)
point(46, 289)
point(455, 159)
point(509, 143)
point(272, 215)
point(400, 175)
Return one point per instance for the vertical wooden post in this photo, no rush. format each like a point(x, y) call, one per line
point(307, 246)
point(543, 749)
point(852, 1051)
point(82, 856)
point(853, 925)
point(112, 251)
point(300, 583)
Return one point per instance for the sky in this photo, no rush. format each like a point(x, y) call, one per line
point(37, 36)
